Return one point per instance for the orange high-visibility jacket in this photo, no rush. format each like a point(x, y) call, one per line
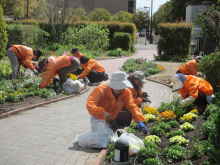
point(102, 99)
point(92, 65)
point(194, 85)
point(137, 100)
point(24, 55)
point(53, 67)
point(189, 68)
point(79, 55)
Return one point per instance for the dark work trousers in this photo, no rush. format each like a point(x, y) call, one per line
point(93, 76)
point(201, 102)
point(69, 69)
point(124, 118)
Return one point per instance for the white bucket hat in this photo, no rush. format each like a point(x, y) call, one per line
point(178, 80)
point(140, 76)
point(119, 81)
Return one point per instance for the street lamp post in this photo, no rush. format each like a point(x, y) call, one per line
point(151, 36)
point(147, 25)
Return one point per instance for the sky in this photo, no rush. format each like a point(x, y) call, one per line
point(147, 3)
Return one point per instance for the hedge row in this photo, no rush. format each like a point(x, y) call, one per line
point(175, 41)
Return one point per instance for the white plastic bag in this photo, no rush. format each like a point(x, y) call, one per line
point(135, 143)
point(99, 137)
point(29, 73)
point(71, 86)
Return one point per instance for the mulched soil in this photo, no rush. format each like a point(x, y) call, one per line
point(197, 133)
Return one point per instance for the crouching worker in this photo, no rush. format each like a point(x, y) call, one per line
point(137, 79)
point(94, 71)
point(193, 90)
point(22, 55)
point(105, 105)
point(61, 65)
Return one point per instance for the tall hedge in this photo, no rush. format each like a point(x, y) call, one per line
point(122, 40)
point(3, 34)
point(175, 41)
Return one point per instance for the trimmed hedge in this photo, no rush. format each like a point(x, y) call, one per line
point(3, 34)
point(29, 35)
point(122, 40)
point(175, 41)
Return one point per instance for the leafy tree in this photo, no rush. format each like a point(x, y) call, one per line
point(14, 8)
point(37, 9)
point(141, 18)
point(209, 20)
point(163, 14)
point(123, 16)
point(99, 14)
point(3, 34)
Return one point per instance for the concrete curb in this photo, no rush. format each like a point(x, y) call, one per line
point(99, 157)
point(37, 105)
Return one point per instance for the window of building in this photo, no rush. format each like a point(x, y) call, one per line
point(130, 3)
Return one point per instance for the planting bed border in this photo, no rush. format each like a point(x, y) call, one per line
point(46, 102)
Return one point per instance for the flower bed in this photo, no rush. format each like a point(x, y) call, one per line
point(169, 141)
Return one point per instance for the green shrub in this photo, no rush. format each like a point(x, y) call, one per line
point(196, 152)
point(175, 133)
point(29, 35)
point(122, 40)
point(115, 52)
point(150, 144)
point(175, 41)
point(173, 123)
point(3, 34)
point(174, 153)
point(92, 36)
point(157, 131)
point(210, 66)
point(152, 161)
point(164, 107)
point(207, 127)
point(110, 152)
point(166, 127)
point(146, 153)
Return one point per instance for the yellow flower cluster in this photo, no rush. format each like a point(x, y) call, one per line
point(153, 138)
point(187, 127)
point(185, 118)
point(193, 115)
point(150, 117)
point(151, 110)
point(72, 76)
point(5, 66)
point(159, 67)
point(146, 119)
point(4, 72)
point(194, 111)
point(179, 140)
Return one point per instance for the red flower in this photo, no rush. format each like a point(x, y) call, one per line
point(52, 53)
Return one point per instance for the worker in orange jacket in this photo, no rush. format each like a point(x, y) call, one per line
point(137, 79)
point(61, 65)
point(193, 90)
point(22, 55)
point(190, 68)
point(94, 71)
point(107, 100)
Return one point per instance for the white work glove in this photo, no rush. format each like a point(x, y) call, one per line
point(187, 101)
point(35, 71)
point(107, 117)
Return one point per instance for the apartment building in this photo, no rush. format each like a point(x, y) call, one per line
point(113, 6)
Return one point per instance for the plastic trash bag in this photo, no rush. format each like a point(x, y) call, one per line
point(29, 73)
point(71, 86)
point(135, 143)
point(99, 137)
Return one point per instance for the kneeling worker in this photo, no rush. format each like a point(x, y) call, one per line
point(61, 65)
point(94, 71)
point(193, 90)
point(107, 100)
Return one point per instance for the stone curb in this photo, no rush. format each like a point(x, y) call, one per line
point(37, 105)
point(99, 157)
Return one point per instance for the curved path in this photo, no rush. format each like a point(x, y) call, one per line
point(45, 135)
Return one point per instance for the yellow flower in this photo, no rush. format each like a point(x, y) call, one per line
point(5, 67)
point(4, 72)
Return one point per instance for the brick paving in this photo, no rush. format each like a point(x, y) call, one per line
point(46, 135)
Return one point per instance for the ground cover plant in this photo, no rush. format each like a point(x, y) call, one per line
point(148, 67)
point(182, 142)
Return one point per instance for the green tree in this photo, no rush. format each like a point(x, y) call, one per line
point(123, 16)
point(209, 20)
point(163, 14)
point(141, 18)
point(14, 8)
point(3, 34)
point(99, 14)
point(37, 9)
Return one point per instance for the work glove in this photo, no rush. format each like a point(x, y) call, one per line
point(144, 94)
point(35, 71)
point(146, 100)
point(186, 102)
point(77, 77)
point(141, 127)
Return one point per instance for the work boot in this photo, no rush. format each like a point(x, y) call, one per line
point(85, 80)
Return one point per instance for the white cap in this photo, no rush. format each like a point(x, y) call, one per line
point(119, 81)
point(177, 83)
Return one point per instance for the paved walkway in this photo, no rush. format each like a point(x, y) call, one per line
point(46, 135)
